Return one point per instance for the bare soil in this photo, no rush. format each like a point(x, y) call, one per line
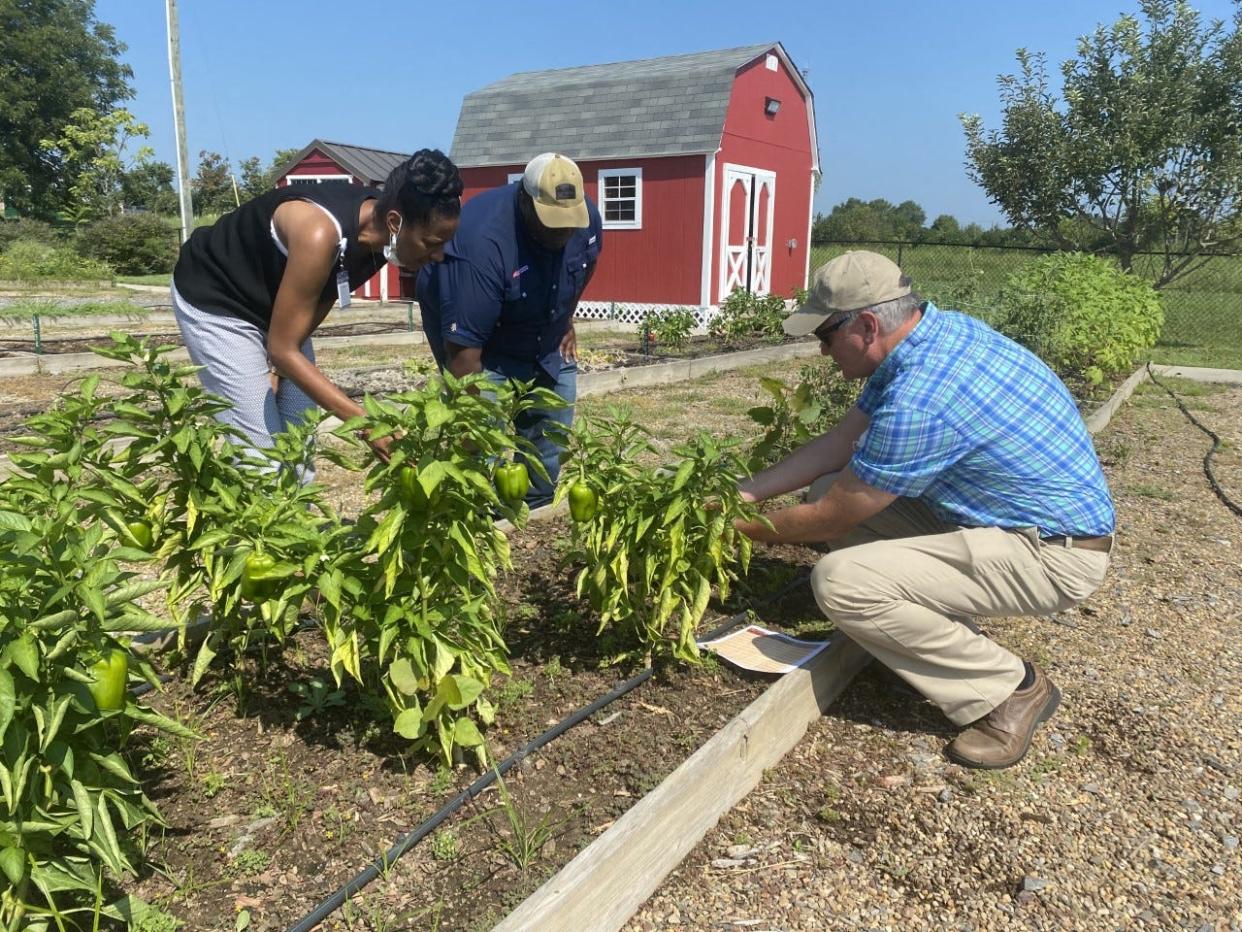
point(272, 814)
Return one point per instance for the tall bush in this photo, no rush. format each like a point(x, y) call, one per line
point(132, 244)
point(30, 261)
point(37, 231)
point(1084, 316)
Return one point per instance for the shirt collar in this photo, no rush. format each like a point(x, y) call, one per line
point(927, 327)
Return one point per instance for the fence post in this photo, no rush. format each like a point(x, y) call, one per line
point(38, 336)
point(409, 317)
point(899, 249)
point(612, 310)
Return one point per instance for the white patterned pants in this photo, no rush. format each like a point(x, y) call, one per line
point(233, 354)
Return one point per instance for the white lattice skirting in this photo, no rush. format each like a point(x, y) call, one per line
point(628, 312)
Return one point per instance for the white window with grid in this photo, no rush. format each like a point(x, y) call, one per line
point(621, 198)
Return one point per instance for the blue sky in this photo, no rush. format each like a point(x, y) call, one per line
point(889, 76)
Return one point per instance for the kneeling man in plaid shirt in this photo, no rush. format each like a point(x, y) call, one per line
point(962, 484)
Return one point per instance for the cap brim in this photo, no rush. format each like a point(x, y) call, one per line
point(562, 218)
point(804, 320)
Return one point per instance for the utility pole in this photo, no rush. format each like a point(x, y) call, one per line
point(183, 156)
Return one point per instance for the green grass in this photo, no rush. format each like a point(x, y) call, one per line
point(26, 310)
point(1202, 309)
point(160, 278)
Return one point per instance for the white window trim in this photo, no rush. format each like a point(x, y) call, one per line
point(318, 179)
point(637, 222)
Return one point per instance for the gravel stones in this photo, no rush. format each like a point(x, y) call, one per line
point(1128, 818)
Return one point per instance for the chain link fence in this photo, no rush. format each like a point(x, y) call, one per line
point(1203, 308)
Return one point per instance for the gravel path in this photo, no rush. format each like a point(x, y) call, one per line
point(1126, 813)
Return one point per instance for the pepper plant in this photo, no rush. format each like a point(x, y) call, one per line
point(173, 460)
point(70, 807)
point(262, 548)
point(412, 588)
point(669, 328)
point(796, 415)
point(239, 532)
point(658, 538)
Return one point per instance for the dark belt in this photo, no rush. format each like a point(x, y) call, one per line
point(1102, 544)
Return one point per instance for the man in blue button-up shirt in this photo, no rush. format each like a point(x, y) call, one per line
point(503, 299)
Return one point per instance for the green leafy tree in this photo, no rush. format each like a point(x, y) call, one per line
point(254, 179)
point(1145, 151)
point(855, 220)
point(280, 159)
point(149, 186)
point(212, 188)
point(55, 58)
point(92, 148)
point(907, 220)
point(945, 229)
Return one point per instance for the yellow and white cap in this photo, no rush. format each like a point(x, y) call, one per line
point(554, 183)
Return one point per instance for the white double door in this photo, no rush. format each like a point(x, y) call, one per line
point(747, 210)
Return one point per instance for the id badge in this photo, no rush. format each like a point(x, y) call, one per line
point(342, 287)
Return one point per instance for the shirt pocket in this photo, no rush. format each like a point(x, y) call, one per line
point(518, 306)
point(577, 265)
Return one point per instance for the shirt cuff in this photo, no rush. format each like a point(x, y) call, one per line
point(887, 480)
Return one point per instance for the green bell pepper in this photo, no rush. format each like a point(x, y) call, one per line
point(583, 502)
point(513, 482)
point(111, 674)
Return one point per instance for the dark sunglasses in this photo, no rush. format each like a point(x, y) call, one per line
point(825, 330)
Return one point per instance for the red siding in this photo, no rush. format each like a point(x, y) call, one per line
point(316, 163)
point(658, 264)
point(781, 144)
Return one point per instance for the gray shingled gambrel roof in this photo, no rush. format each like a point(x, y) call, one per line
point(370, 165)
point(657, 106)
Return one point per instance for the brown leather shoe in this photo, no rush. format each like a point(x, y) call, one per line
point(1002, 737)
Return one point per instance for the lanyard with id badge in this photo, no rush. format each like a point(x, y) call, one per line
point(342, 276)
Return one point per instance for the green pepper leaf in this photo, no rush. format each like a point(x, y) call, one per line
point(466, 733)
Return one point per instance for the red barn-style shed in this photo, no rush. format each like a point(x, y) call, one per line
point(703, 167)
point(334, 161)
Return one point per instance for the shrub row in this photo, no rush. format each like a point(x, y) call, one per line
point(128, 244)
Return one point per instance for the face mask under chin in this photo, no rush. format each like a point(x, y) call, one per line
point(390, 251)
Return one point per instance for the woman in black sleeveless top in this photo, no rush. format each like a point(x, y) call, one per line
point(249, 291)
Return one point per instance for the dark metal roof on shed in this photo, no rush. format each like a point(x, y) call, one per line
point(368, 165)
point(657, 106)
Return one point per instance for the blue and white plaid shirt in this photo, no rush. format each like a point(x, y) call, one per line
point(982, 431)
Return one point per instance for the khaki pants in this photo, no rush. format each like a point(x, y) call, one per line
point(904, 586)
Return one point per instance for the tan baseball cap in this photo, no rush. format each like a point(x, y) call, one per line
point(850, 282)
point(554, 183)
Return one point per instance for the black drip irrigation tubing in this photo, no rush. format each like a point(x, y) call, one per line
point(408, 841)
point(1207, 459)
point(405, 842)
